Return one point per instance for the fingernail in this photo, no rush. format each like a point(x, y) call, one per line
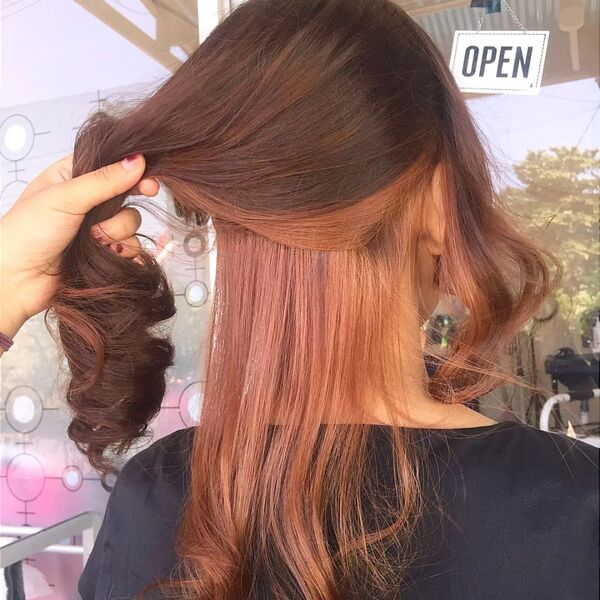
point(117, 247)
point(131, 162)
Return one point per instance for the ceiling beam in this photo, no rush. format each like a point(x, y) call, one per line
point(414, 10)
point(121, 25)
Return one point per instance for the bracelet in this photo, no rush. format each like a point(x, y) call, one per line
point(5, 341)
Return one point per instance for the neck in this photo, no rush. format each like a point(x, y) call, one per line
point(413, 405)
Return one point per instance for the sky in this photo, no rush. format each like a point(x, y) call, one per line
point(563, 114)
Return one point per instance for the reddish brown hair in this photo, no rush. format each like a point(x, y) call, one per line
point(308, 131)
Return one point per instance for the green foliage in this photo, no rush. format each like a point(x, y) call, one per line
point(559, 204)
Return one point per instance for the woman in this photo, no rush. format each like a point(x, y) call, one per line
point(336, 159)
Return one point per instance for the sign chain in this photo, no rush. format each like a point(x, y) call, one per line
point(510, 12)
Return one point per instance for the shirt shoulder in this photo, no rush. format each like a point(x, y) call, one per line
point(143, 507)
point(164, 461)
point(154, 480)
point(536, 495)
point(517, 444)
point(516, 461)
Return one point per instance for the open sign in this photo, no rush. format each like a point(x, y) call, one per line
point(508, 62)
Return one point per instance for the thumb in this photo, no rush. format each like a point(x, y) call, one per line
point(80, 194)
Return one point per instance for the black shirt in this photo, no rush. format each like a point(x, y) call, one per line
point(521, 517)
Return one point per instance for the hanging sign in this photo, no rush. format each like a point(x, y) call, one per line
point(491, 6)
point(499, 62)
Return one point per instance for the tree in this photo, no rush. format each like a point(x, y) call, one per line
point(559, 203)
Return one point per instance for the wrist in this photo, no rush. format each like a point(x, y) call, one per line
point(10, 323)
point(11, 315)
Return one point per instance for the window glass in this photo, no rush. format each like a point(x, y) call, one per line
point(547, 148)
point(62, 60)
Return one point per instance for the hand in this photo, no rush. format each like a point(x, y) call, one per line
point(46, 218)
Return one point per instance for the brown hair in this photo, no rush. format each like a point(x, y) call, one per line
point(308, 132)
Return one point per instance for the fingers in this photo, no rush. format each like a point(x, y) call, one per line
point(128, 248)
point(119, 227)
point(57, 172)
point(79, 195)
point(118, 233)
point(62, 171)
point(146, 187)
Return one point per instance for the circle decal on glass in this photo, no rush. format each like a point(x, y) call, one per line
point(24, 409)
point(16, 137)
point(25, 477)
point(72, 478)
point(196, 293)
point(108, 480)
point(190, 403)
point(194, 244)
point(194, 404)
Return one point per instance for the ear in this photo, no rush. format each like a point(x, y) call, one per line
point(434, 225)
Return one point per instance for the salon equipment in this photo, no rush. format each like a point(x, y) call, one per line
point(545, 313)
point(578, 375)
point(572, 370)
point(596, 339)
point(583, 396)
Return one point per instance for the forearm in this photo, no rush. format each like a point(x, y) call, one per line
point(10, 318)
point(10, 322)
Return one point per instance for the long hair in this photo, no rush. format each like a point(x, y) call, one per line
point(307, 132)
